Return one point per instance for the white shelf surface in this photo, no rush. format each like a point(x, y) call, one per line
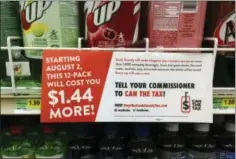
point(224, 111)
point(9, 102)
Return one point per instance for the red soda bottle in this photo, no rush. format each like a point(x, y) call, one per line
point(111, 23)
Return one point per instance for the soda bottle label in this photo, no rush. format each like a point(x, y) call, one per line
point(172, 155)
point(111, 155)
point(111, 23)
point(225, 31)
point(176, 24)
point(88, 157)
point(221, 24)
point(195, 154)
point(17, 157)
point(130, 157)
point(18, 152)
point(229, 155)
point(151, 155)
point(49, 24)
point(58, 156)
point(221, 154)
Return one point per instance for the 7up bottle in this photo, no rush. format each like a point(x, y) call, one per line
point(48, 24)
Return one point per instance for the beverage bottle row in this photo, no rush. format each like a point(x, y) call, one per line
point(116, 24)
point(112, 24)
point(119, 141)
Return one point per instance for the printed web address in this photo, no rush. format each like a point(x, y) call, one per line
point(145, 105)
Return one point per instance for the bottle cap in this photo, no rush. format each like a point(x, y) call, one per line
point(16, 129)
point(173, 127)
point(81, 130)
point(109, 128)
point(230, 127)
point(142, 132)
point(202, 127)
point(48, 129)
point(218, 119)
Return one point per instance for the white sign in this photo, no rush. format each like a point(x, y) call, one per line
point(158, 87)
point(19, 68)
point(102, 86)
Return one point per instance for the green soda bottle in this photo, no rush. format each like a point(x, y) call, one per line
point(50, 146)
point(18, 146)
point(10, 26)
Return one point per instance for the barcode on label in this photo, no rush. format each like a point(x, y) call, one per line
point(189, 6)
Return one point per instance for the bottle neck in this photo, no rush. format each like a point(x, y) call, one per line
point(171, 133)
point(48, 135)
point(230, 133)
point(16, 135)
point(202, 133)
point(111, 135)
point(143, 138)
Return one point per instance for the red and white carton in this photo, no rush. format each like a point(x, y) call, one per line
point(111, 23)
point(176, 24)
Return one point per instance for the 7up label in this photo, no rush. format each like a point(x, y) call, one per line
point(49, 24)
point(111, 23)
point(185, 103)
point(32, 11)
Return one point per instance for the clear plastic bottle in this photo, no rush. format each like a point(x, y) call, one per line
point(201, 144)
point(82, 146)
point(171, 145)
point(111, 146)
point(33, 134)
point(142, 147)
point(226, 144)
point(217, 127)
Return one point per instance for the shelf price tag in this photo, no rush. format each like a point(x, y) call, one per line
point(27, 106)
point(228, 102)
point(34, 103)
point(224, 103)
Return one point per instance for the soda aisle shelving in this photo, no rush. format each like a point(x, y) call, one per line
point(9, 101)
point(167, 54)
point(10, 98)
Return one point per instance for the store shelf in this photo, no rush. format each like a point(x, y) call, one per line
point(9, 105)
point(224, 93)
point(9, 102)
point(23, 90)
point(224, 111)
